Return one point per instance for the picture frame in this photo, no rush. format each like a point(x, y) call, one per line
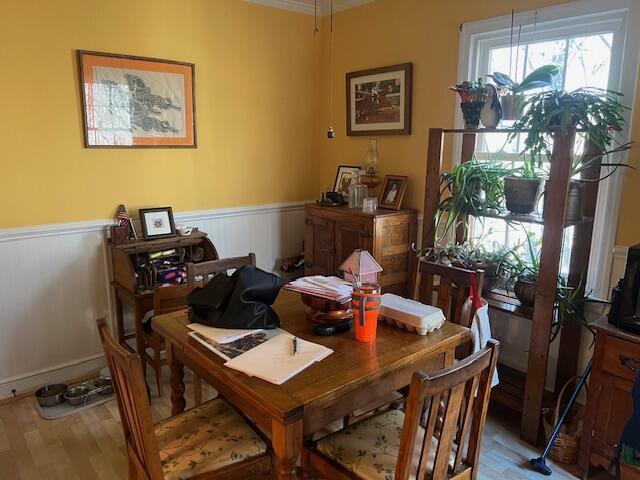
point(157, 223)
point(392, 192)
point(136, 102)
point(343, 178)
point(379, 100)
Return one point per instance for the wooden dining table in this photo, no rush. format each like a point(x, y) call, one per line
point(353, 376)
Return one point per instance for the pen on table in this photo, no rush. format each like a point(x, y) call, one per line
point(294, 342)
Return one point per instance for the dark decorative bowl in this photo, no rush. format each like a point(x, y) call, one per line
point(323, 310)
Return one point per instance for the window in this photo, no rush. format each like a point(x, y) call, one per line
point(592, 47)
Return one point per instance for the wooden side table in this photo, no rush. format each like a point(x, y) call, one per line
point(616, 362)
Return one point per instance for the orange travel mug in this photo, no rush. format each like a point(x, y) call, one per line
point(365, 301)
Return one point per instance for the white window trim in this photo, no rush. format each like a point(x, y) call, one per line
point(613, 15)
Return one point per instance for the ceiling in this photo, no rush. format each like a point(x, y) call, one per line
point(307, 6)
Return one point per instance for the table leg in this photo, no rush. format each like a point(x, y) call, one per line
point(178, 403)
point(287, 444)
point(449, 358)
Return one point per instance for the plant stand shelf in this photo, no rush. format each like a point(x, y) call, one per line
point(530, 386)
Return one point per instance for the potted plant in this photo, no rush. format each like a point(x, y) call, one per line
point(472, 97)
point(570, 307)
point(524, 270)
point(496, 262)
point(596, 112)
point(512, 102)
point(522, 188)
point(471, 188)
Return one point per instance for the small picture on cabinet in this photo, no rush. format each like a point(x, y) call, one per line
point(157, 223)
point(344, 176)
point(392, 192)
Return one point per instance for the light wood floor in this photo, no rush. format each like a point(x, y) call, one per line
point(89, 445)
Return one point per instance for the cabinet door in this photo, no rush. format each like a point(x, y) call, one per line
point(613, 410)
point(350, 236)
point(318, 245)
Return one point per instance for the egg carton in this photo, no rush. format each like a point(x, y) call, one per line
point(410, 314)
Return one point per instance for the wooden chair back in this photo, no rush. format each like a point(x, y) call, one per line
point(170, 299)
point(452, 290)
point(465, 390)
point(206, 269)
point(133, 403)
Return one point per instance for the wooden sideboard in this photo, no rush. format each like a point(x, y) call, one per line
point(135, 292)
point(616, 361)
point(331, 234)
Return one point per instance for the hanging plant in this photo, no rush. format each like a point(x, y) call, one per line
point(473, 95)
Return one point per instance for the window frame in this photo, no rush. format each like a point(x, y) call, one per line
point(579, 18)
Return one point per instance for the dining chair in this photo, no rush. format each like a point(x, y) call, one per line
point(165, 300)
point(395, 444)
point(453, 289)
point(199, 273)
point(210, 441)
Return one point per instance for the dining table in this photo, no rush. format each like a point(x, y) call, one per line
point(349, 379)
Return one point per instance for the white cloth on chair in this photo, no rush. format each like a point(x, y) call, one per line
point(480, 329)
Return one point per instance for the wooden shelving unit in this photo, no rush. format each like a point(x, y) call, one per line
point(520, 391)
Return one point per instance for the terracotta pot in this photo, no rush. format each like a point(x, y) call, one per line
point(510, 108)
point(471, 113)
point(525, 291)
point(522, 194)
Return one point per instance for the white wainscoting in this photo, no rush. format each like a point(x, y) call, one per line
point(56, 284)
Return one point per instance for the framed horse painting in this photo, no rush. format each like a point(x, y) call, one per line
point(379, 101)
point(136, 102)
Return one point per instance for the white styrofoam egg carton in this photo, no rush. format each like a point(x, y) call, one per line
point(414, 316)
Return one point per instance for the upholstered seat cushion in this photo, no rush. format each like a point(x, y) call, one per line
point(370, 448)
point(205, 438)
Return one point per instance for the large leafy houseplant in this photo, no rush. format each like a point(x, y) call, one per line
point(471, 188)
point(511, 93)
point(596, 112)
point(539, 78)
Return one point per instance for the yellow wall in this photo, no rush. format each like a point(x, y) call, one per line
point(256, 69)
point(426, 33)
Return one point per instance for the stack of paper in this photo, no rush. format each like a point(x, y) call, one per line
point(332, 288)
point(275, 361)
point(220, 335)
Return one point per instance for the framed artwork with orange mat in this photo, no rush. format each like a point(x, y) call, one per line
point(136, 102)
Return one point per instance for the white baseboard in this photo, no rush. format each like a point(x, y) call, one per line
point(56, 374)
point(60, 285)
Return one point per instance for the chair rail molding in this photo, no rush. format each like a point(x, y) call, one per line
point(60, 284)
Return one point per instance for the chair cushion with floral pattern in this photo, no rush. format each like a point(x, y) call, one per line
point(370, 448)
point(205, 438)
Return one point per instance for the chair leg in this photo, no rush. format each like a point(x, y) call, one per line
point(197, 389)
point(133, 474)
point(157, 365)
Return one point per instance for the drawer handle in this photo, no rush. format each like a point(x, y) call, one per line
point(632, 364)
point(308, 221)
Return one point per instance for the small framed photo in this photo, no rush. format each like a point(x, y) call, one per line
point(379, 101)
point(157, 223)
point(344, 175)
point(392, 192)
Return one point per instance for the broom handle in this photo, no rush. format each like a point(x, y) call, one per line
point(565, 412)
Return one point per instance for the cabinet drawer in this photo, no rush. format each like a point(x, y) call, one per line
point(621, 358)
